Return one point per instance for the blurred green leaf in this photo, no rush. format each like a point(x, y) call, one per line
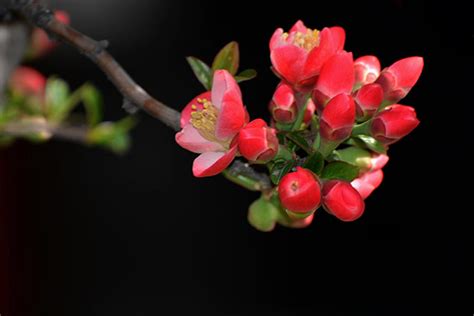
point(57, 99)
point(263, 215)
point(245, 75)
point(112, 136)
point(315, 163)
point(340, 170)
point(92, 100)
point(201, 70)
point(227, 58)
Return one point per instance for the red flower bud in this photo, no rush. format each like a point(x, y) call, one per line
point(300, 191)
point(27, 81)
point(283, 105)
point(367, 100)
point(368, 182)
point(393, 123)
point(342, 200)
point(398, 79)
point(309, 112)
point(337, 118)
point(258, 142)
point(366, 70)
point(337, 76)
point(40, 42)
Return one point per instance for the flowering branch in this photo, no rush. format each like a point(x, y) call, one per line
point(38, 14)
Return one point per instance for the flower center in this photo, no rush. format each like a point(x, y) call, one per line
point(204, 119)
point(307, 40)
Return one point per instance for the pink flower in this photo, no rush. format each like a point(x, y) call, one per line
point(40, 42)
point(283, 104)
point(28, 82)
point(300, 191)
point(366, 70)
point(398, 79)
point(298, 56)
point(342, 200)
point(258, 142)
point(393, 123)
point(336, 77)
point(368, 99)
point(337, 118)
point(368, 182)
point(210, 123)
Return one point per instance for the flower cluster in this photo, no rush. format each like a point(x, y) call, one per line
point(333, 119)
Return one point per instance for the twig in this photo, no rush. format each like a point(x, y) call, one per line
point(38, 14)
point(77, 134)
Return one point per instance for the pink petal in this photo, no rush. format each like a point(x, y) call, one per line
point(407, 71)
point(276, 39)
point(328, 46)
point(367, 183)
point(338, 37)
point(337, 75)
point(231, 118)
point(189, 138)
point(256, 123)
point(212, 163)
point(222, 85)
point(288, 61)
point(186, 112)
point(298, 27)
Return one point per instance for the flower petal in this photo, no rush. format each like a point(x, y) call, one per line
point(189, 138)
point(337, 75)
point(298, 27)
point(276, 39)
point(288, 61)
point(212, 163)
point(338, 35)
point(186, 112)
point(328, 46)
point(224, 84)
point(231, 118)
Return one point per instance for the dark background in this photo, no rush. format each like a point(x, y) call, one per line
point(90, 233)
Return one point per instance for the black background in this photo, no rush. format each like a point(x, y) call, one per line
point(91, 233)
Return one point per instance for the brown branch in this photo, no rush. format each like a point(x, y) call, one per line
point(77, 134)
point(38, 14)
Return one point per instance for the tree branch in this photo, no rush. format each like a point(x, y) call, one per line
point(38, 14)
point(77, 134)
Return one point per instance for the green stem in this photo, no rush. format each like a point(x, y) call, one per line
point(306, 148)
point(362, 129)
point(243, 181)
point(326, 147)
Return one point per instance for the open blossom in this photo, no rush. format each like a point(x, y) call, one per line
point(41, 44)
point(258, 142)
point(297, 56)
point(210, 123)
point(28, 82)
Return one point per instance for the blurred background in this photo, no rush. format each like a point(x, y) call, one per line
point(86, 232)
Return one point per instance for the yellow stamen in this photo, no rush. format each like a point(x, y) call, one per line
point(205, 119)
point(307, 40)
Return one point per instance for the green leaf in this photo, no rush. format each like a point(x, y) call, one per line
point(279, 169)
point(112, 136)
point(341, 171)
point(298, 139)
point(315, 163)
point(372, 144)
point(283, 154)
point(263, 215)
point(353, 155)
point(245, 75)
point(57, 99)
point(227, 58)
point(92, 100)
point(202, 71)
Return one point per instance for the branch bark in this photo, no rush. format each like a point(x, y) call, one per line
point(40, 15)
